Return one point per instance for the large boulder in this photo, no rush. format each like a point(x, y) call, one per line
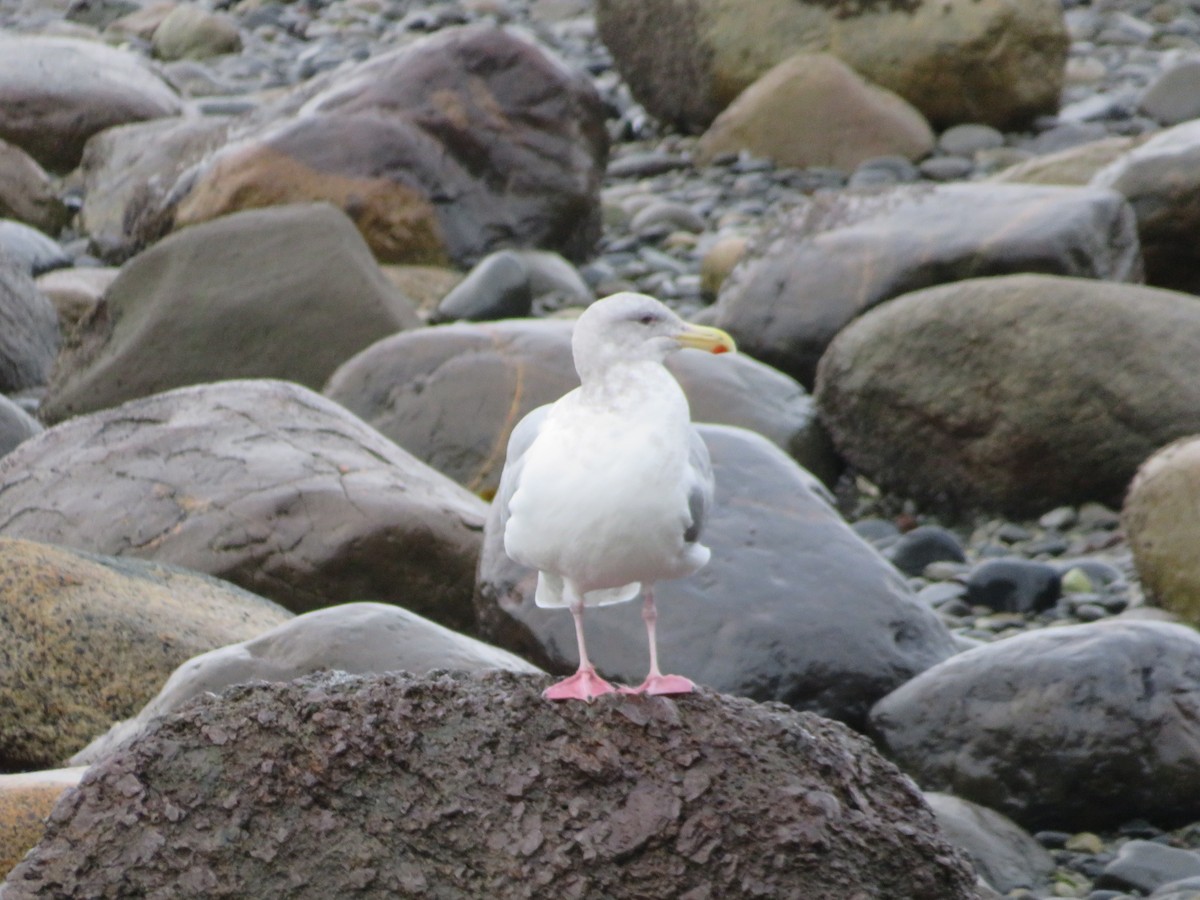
point(459, 786)
point(793, 606)
point(29, 333)
point(685, 60)
point(1079, 727)
point(814, 110)
point(358, 638)
point(1005, 394)
point(1162, 518)
point(128, 173)
point(445, 149)
point(836, 257)
point(87, 640)
point(56, 92)
point(451, 395)
point(289, 292)
point(262, 483)
point(1161, 179)
point(1075, 727)
point(25, 802)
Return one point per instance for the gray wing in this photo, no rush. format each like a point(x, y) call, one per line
point(514, 461)
point(700, 486)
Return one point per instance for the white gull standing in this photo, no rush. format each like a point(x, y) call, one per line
point(605, 491)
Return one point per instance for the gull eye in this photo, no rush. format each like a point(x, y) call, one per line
point(648, 319)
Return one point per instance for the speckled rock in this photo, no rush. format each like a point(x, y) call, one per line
point(793, 606)
point(88, 640)
point(451, 395)
point(56, 92)
point(814, 110)
point(999, 393)
point(836, 257)
point(197, 307)
point(358, 638)
point(1161, 518)
point(263, 483)
point(1071, 728)
point(25, 802)
point(459, 786)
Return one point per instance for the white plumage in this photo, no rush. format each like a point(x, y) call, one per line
point(605, 491)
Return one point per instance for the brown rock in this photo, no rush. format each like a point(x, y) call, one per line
point(262, 483)
point(1161, 520)
point(461, 786)
point(56, 92)
point(88, 640)
point(1074, 166)
point(814, 110)
point(25, 802)
point(442, 150)
point(26, 192)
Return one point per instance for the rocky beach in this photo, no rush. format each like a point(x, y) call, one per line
point(277, 279)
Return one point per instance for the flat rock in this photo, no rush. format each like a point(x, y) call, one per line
point(451, 395)
point(56, 92)
point(686, 60)
point(814, 110)
point(462, 786)
point(836, 257)
point(88, 640)
point(25, 802)
point(1160, 517)
point(357, 638)
point(1161, 180)
point(1075, 728)
point(288, 292)
point(794, 606)
point(467, 141)
point(1006, 855)
point(29, 333)
point(262, 483)
point(1000, 394)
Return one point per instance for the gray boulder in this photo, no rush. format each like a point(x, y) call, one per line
point(793, 606)
point(461, 786)
point(451, 395)
point(262, 483)
point(15, 425)
point(1006, 855)
point(1072, 728)
point(358, 638)
point(837, 257)
point(288, 292)
point(1004, 394)
point(29, 333)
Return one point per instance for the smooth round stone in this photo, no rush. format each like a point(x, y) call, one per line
point(1175, 96)
point(30, 249)
point(1060, 518)
point(1014, 585)
point(666, 215)
point(1146, 865)
point(496, 288)
point(924, 545)
point(938, 595)
point(645, 165)
point(884, 170)
point(969, 139)
point(876, 531)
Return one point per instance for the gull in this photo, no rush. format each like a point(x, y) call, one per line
point(605, 491)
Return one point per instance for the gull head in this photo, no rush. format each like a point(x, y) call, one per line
point(629, 327)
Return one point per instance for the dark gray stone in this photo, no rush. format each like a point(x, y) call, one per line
point(496, 288)
point(1146, 866)
point(923, 545)
point(793, 606)
point(1004, 854)
point(29, 249)
point(1014, 585)
point(29, 333)
point(1081, 727)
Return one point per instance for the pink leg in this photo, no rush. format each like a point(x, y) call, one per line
point(656, 682)
point(585, 684)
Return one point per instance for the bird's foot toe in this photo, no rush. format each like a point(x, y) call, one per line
point(662, 684)
point(583, 685)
